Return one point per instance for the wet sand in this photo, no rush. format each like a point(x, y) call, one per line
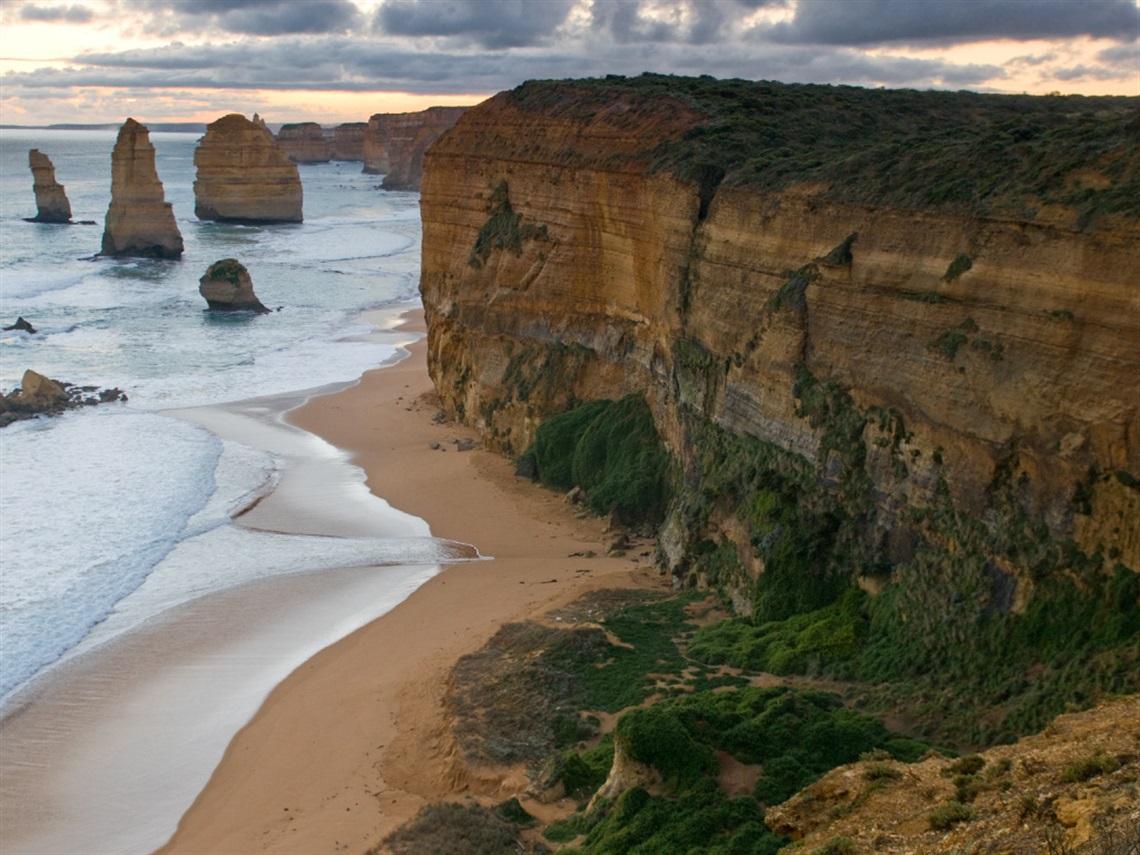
point(357, 739)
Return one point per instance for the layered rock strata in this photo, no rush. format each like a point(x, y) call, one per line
point(348, 141)
point(227, 287)
point(140, 222)
point(395, 143)
point(52, 205)
point(244, 176)
point(304, 142)
point(937, 371)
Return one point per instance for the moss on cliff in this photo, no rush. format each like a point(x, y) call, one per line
point(990, 155)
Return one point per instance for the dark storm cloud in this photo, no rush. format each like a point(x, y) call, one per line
point(697, 22)
point(73, 14)
point(492, 24)
point(866, 22)
point(355, 65)
point(256, 17)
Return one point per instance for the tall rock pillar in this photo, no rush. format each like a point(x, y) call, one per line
point(140, 222)
point(51, 200)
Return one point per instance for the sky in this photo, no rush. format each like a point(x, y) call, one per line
point(333, 61)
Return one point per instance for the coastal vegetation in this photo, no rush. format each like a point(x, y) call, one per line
point(611, 450)
point(985, 155)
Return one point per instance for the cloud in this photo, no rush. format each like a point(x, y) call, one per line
point(492, 24)
point(356, 65)
point(73, 14)
point(866, 22)
point(254, 17)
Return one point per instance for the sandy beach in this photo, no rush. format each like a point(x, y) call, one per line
point(355, 741)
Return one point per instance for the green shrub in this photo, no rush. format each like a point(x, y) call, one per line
point(836, 846)
point(610, 449)
point(1090, 767)
point(656, 737)
point(948, 814)
point(447, 828)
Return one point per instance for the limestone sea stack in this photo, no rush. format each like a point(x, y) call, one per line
point(140, 222)
point(348, 141)
point(304, 142)
point(244, 176)
point(227, 287)
point(394, 144)
point(51, 200)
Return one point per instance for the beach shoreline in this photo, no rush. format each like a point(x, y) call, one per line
point(355, 741)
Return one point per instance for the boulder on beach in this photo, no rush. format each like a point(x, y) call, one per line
point(140, 222)
point(227, 287)
point(52, 205)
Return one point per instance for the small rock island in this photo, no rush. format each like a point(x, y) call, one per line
point(244, 176)
point(227, 287)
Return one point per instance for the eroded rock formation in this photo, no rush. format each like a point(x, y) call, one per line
point(227, 287)
point(41, 396)
point(140, 222)
point(244, 176)
point(348, 141)
point(943, 375)
point(394, 144)
point(304, 142)
point(52, 205)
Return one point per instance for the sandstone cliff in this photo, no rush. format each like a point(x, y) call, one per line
point(394, 144)
point(304, 142)
point(244, 176)
point(348, 141)
point(52, 205)
point(140, 222)
point(929, 342)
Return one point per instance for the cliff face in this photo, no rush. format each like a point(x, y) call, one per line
point(139, 221)
point(52, 205)
point(348, 141)
point(955, 379)
point(244, 176)
point(304, 142)
point(394, 144)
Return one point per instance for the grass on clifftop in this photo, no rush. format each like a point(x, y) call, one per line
point(995, 155)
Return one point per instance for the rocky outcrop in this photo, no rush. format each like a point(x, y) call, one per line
point(958, 377)
point(140, 222)
point(348, 141)
point(244, 176)
point(304, 142)
point(394, 144)
point(52, 205)
point(227, 287)
point(1057, 791)
point(39, 395)
point(21, 325)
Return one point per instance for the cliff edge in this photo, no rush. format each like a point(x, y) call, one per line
point(903, 360)
point(395, 143)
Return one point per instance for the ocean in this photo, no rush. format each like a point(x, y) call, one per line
point(113, 517)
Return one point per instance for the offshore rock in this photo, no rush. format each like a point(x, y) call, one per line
point(227, 287)
point(52, 205)
point(348, 141)
point(304, 142)
point(39, 395)
point(244, 176)
point(140, 222)
point(395, 143)
point(21, 325)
